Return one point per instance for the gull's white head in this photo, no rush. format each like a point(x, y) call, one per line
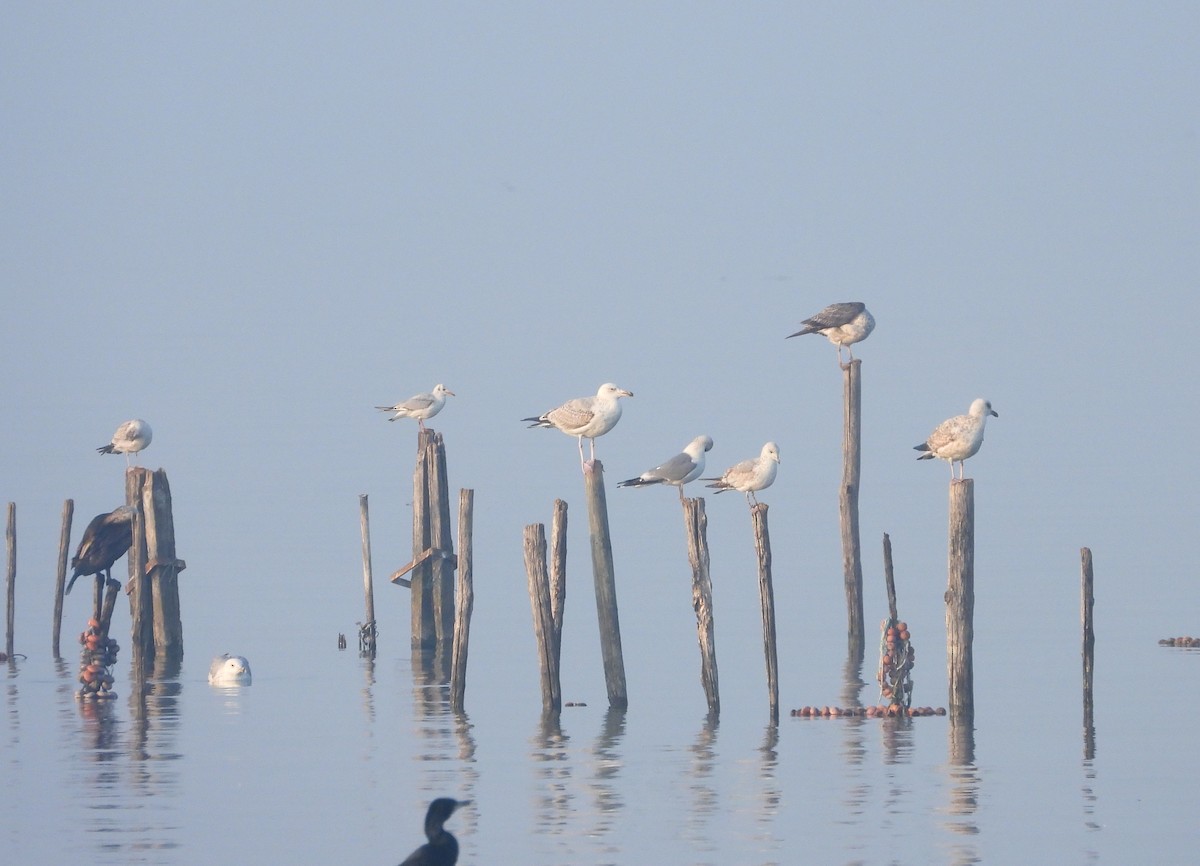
point(608, 389)
point(227, 670)
point(770, 450)
point(981, 408)
point(440, 390)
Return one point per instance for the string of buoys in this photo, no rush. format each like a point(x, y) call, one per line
point(874, 712)
point(98, 656)
point(1180, 641)
point(896, 659)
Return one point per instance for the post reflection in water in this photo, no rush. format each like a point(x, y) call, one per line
point(853, 748)
point(963, 776)
point(606, 790)
point(770, 795)
point(554, 802)
point(705, 801)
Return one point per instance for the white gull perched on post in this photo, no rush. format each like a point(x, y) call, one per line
point(679, 470)
point(958, 438)
point(420, 406)
point(586, 417)
point(757, 473)
point(131, 437)
point(844, 324)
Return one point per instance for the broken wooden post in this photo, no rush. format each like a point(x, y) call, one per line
point(10, 537)
point(1088, 602)
point(606, 586)
point(433, 557)
point(141, 603)
point(162, 567)
point(466, 601)
point(366, 631)
point(558, 573)
point(696, 526)
point(543, 618)
point(441, 537)
point(960, 600)
point(848, 504)
point(424, 632)
point(766, 592)
point(64, 553)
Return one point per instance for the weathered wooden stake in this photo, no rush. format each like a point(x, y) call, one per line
point(558, 573)
point(606, 586)
point(441, 536)
point(141, 602)
point(367, 632)
point(848, 504)
point(960, 600)
point(465, 601)
point(543, 618)
point(766, 592)
point(890, 578)
point(424, 632)
point(64, 552)
point(695, 523)
point(10, 537)
point(162, 567)
point(1088, 602)
point(433, 557)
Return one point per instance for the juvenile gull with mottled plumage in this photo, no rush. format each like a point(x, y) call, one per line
point(957, 438)
point(586, 417)
point(757, 473)
point(679, 470)
point(844, 324)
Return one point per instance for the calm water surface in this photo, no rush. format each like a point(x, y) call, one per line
point(333, 758)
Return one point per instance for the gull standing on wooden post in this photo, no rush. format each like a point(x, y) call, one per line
point(844, 324)
point(420, 406)
point(679, 470)
point(957, 438)
point(586, 417)
point(131, 437)
point(757, 473)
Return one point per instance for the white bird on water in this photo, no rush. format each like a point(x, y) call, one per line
point(957, 438)
point(420, 406)
point(227, 670)
point(757, 473)
point(679, 470)
point(586, 417)
point(844, 324)
point(131, 437)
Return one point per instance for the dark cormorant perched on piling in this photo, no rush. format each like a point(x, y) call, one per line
point(105, 540)
point(442, 847)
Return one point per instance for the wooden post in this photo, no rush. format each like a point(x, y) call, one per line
point(162, 567)
point(543, 620)
point(848, 504)
point(466, 601)
point(141, 605)
point(424, 633)
point(766, 592)
point(111, 588)
point(367, 632)
point(890, 578)
point(1089, 650)
point(558, 573)
point(695, 523)
point(10, 537)
point(960, 600)
point(606, 586)
point(441, 537)
point(64, 553)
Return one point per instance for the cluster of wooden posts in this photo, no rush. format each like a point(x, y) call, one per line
point(156, 631)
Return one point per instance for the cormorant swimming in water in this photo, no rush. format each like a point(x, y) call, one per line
point(442, 847)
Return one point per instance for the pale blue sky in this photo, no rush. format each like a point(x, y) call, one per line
point(249, 224)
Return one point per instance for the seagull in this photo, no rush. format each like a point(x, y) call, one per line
point(131, 437)
point(442, 847)
point(586, 417)
point(105, 540)
point(757, 473)
point(958, 438)
point(679, 470)
point(420, 406)
point(227, 670)
point(843, 324)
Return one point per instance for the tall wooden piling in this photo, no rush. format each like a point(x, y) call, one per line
point(1087, 603)
point(543, 618)
point(960, 600)
point(696, 525)
point(848, 504)
point(558, 572)
point(606, 587)
point(889, 578)
point(141, 603)
point(766, 592)
point(10, 538)
point(424, 632)
point(433, 557)
point(465, 601)
point(64, 552)
point(441, 536)
point(367, 632)
point(162, 565)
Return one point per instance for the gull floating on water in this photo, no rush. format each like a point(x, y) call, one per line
point(679, 470)
point(227, 670)
point(442, 847)
point(420, 406)
point(844, 324)
point(106, 539)
point(757, 473)
point(958, 438)
point(131, 437)
point(586, 417)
